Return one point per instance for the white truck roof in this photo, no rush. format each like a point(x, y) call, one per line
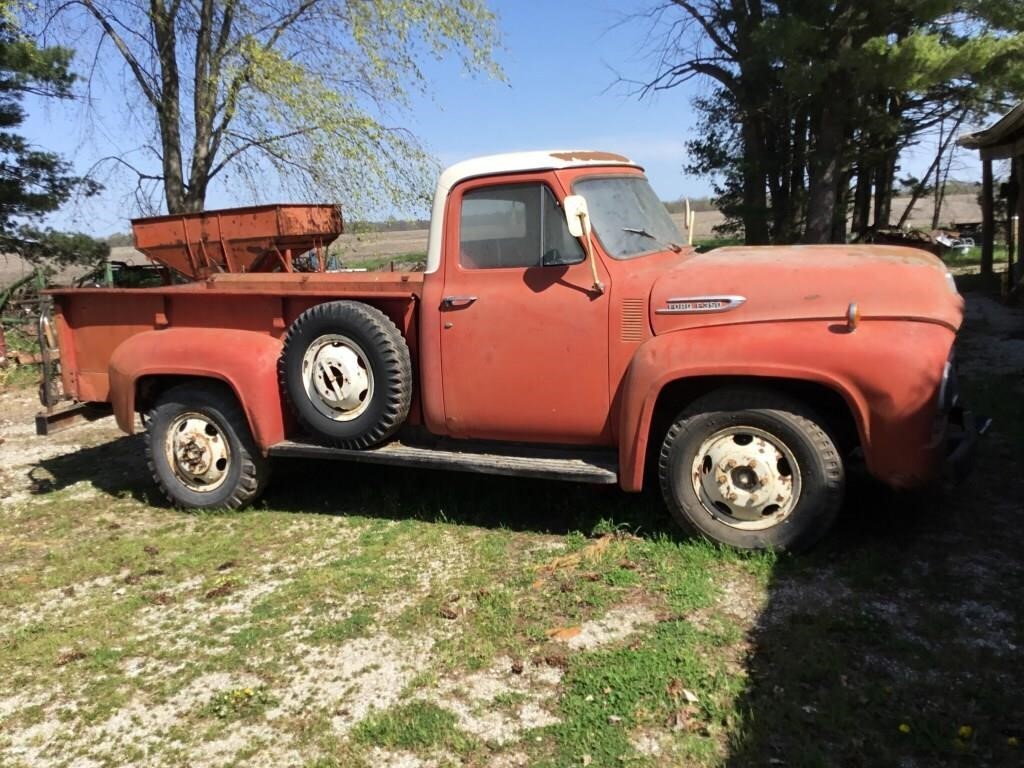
point(512, 162)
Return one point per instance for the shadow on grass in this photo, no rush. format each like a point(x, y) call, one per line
point(897, 643)
point(118, 469)
point(488, 501)
point(899, 640)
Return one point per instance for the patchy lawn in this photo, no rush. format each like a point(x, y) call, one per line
point(385, 617)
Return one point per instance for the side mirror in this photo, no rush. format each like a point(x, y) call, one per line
point(578, 219)
point(576, 215)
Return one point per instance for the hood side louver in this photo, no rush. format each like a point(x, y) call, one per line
point(633, 320)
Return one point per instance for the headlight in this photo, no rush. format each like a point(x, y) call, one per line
point(948, 397)
point(951, 282)
point(949, 388)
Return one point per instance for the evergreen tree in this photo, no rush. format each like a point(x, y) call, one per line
point(34, 182)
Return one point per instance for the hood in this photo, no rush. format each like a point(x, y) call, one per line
point(804, 282)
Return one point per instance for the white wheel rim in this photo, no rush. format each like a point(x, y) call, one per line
point(198, 452)
point(337, 377)
point(746, 478)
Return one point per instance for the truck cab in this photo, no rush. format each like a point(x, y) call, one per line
point(562, 328)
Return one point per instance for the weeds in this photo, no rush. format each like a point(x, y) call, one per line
point(239, 703)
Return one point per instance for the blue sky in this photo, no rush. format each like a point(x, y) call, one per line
point(561, 61)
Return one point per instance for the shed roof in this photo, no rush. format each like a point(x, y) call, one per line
point(1002, 139)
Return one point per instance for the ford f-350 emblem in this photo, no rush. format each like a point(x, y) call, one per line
point(699, 305)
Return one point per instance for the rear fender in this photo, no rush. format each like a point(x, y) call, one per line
point(244, 360)
point(854, 365)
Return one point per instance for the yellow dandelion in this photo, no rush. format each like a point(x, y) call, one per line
point(249, 692)
point(904, 728)
point(965, 732)
point(1013, 741)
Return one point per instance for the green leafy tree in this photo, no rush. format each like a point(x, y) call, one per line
point(313, 89)
point(34, 182)
point(814, 101)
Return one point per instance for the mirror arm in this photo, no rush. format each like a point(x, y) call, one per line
point(598, 286)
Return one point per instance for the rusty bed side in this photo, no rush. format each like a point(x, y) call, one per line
point(92, 323)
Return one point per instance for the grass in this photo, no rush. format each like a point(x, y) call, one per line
point(18, 340)
point(383, 263)
point(710, 243)
point(971, 257)
point(383, 614)
point(418, 725)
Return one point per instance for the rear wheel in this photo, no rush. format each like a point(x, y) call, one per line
point(200, 450)
point(752, 469)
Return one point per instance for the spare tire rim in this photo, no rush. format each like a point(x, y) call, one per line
point(198, 452)
point(746, 478)
point(337, 377)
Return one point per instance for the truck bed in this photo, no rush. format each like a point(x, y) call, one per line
point(92, 322)
point(336, 284)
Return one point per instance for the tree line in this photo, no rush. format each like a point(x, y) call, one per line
point(812, 103)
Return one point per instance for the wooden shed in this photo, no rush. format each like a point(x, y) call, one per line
point(1003, 140)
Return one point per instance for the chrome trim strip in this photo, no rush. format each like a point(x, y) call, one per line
point(700, 305)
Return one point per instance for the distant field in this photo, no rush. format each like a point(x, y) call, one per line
point(376, 249)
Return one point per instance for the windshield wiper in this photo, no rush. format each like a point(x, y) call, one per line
point(644, 233)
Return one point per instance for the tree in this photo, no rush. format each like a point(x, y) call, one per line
point(307, 88)
point(34, 182)
point(815, 101)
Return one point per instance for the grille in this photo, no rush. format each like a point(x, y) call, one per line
point(633, 320)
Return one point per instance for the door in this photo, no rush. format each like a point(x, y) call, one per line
point(524, 337)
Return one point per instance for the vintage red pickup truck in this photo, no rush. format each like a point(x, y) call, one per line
point(559, 330)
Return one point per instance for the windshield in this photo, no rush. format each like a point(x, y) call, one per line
point(627, 216)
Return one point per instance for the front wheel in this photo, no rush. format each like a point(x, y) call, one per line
point(752, 469)
point(200, 450)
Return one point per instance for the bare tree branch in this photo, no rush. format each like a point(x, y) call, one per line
point(141, 76)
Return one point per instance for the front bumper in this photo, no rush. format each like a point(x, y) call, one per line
point(964, 431)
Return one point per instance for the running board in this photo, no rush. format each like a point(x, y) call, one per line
point(580, 465)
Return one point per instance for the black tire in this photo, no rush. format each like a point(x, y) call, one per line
point(382, 360)
point(245, 472)
point(776, 425)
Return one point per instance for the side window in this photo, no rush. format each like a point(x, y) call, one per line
point(560, 247)
point(514, 225)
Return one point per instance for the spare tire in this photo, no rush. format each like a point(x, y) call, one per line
point(346, 371)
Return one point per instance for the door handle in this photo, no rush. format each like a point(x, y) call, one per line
point(454, 302)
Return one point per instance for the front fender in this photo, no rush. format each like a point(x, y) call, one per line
point(244, 360)
point(888, 372)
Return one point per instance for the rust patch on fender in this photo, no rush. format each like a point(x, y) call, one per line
point(590, 157)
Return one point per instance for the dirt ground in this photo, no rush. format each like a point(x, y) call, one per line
point(385, 617)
